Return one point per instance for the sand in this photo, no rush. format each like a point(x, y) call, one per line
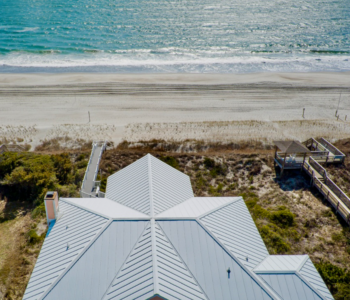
point(216, 107)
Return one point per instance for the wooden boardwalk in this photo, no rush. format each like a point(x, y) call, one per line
point(90, 187)
point(307, 157)
point(332, 193)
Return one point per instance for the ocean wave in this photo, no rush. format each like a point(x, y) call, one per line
point(164, 62)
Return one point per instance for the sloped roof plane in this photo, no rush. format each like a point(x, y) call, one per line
point(150, 237)
point(291, 147)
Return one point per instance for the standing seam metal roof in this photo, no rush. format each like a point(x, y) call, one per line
point(154, 238)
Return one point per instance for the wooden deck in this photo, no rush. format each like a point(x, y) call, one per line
point(322, 151)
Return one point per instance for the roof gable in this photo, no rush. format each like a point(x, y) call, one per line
point(149, 186)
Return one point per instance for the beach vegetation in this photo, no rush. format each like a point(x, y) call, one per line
point(171, 161)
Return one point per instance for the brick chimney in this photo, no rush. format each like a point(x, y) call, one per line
point(51, 206)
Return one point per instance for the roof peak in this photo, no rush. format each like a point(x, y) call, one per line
point(149, 186)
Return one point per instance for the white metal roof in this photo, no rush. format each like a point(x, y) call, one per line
point(150, 236)
point(309, 272)
point(149, 186)
point(290, 287)
point(106, 207)
point(279, 270)
point(66, 241)
point(281, 264)
point(196, 207)
point(233, 226)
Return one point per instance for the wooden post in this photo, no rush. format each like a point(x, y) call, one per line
point(284, 162)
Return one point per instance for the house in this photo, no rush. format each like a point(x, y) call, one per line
point(150, 238)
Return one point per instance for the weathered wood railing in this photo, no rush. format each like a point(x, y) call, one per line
point(339, 200)
point(338, 192)
point(313, 163)
point(339, 206)
point(338, 155)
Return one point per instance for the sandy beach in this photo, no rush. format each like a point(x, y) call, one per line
point(216, 107)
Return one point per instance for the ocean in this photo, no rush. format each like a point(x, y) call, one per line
point(171, 36)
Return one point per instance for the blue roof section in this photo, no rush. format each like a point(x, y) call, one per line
point(50, 227)
point(75, 229)
point(209, 262)
point(290, 287)
point(92, 273)
point(310, 273)
point(233, 226)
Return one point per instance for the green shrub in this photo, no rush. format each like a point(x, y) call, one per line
point(283, 218)
point(337, 279)
point(103, 184)
point(63, 167)
point(28, 176)
point(39, 211)
point(209, 163)
point(216, 191)
point(338, 237)
point(274, 241)
point(81, 164)
point(171, 161)
point(214, 169)
point(33, 238)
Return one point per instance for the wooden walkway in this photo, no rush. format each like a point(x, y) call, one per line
point(332, 193)
point(90, 187)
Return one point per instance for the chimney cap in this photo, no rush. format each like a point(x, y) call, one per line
point(50, 194)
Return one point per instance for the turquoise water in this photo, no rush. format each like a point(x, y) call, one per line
point(174, 36)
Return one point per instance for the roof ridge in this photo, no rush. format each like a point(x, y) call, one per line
point(126, 259)
point(302, 264)
point(103, 215)
point(183, 262)
point(84, 208)
point(281, 271)
point(150, 185)
point(220, 206)
point(310, 286)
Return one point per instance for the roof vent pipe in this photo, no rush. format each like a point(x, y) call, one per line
point(51, 206)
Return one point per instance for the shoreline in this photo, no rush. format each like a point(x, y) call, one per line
point(314, 78)
point(37, 107)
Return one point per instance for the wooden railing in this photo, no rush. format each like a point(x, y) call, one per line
point(338, 155)
point(338, 192)
point(339, 206)
point(339, 200)
point(313, 163)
